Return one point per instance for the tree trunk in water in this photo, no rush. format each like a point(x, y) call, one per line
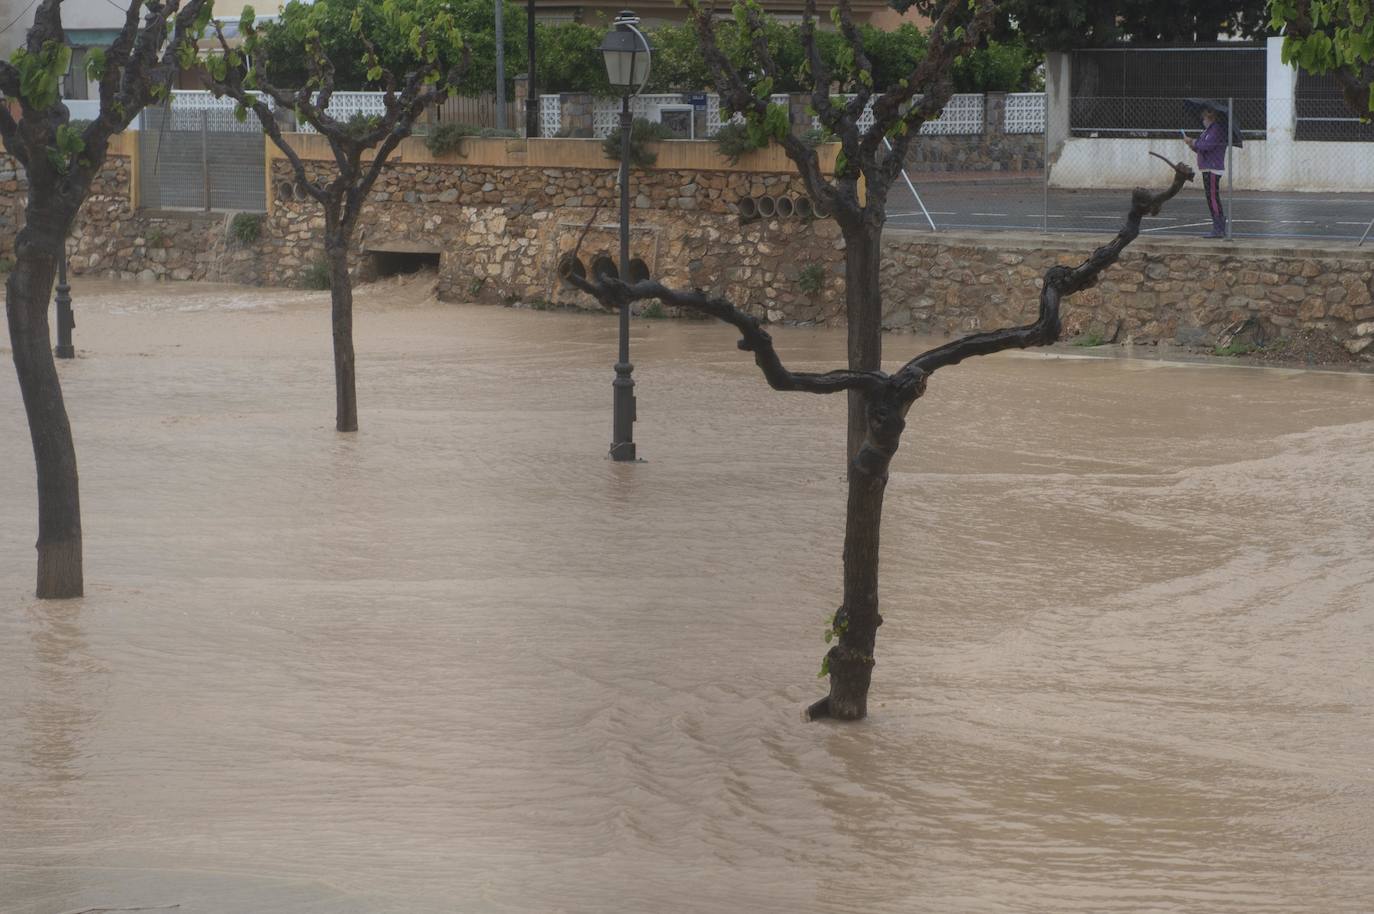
point(341, 298)
point(864, 314)
point(59, 505)
point(850, 661)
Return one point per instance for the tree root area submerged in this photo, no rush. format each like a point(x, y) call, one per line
point(460, 661)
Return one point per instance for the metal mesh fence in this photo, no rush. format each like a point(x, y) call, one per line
point(1283, 183)
point(1144, 118)
point(1324, 116)
point(1225, 71)
point(197, 160)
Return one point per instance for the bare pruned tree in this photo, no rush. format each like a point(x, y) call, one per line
point(897, 112)
point(360, 146)
point(886, 399)
point(61, 161)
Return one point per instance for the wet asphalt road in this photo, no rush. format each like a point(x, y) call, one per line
point(1023, 204)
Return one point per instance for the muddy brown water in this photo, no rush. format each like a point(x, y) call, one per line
point(461, 662)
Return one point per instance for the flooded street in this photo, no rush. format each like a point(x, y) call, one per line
point(460, 662)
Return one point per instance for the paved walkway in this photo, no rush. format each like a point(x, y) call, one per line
point(1002, 203)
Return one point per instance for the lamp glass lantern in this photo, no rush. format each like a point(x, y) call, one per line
point(627, 54)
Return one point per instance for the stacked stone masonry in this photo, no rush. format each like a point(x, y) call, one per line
point(500, 232)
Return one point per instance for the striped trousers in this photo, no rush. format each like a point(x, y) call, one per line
point(1211, 186)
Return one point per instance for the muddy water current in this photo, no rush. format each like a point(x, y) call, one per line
point(461, 662)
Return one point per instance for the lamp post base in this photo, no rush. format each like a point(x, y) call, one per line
point(623, 447)
point(64, 352)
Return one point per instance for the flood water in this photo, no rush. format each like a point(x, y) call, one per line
point(460, 662)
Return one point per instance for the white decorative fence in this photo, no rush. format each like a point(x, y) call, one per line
point(713, 112)
point(344, 105)
point(550, 115)
point(196, 110)
point(962, 116)
point(1024, 112)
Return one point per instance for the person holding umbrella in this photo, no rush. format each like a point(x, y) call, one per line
point(1211, 160)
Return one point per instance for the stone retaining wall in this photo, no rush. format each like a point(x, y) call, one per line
point(499, 232)
point(14, 186)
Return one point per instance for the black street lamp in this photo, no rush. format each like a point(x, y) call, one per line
point(66, 320)
point(627, 55)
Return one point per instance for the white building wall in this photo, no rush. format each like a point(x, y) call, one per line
point(76, 14)
point(1279, 162)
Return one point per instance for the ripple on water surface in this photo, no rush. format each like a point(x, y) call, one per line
point(459, 661)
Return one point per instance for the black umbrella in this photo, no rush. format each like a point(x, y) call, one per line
point(1195, 106)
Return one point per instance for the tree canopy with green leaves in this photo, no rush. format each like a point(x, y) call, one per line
point(285, 42)
point(568, 58)
point(1331, 37)
point(1069, 24)
point(422, 33)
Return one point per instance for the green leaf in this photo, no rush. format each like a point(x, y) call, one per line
point(69, 141)
point(202, 19)
point(240, 113)
point(246, 20)
point(186, 54)
point(95, 64)
point(40, 75)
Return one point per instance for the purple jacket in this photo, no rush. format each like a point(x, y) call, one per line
point(1211, 148)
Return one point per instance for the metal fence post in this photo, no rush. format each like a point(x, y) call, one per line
point(1230, 167)
point(205, 155)
point(1045, 168)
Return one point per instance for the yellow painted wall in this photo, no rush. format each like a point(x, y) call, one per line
point(678, 155)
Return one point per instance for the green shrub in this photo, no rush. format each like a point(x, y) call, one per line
point(812, 278)
point(734, 140)
point(246, 227)
point(641, 135)
point(1089, 340)
point(999, 67)
point(448, 138)
point(316, 276)
point(155, 238)
point(6, 264)
point(653, 311)
point(816, 136)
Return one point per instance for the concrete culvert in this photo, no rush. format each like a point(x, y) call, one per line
point(603, 266)
point(299, 193)
point(748, 209)
point(638, 271)
point(571, 265)
point(768, 207)
point(785, 208)
point(402, 263)
point(286, 192)
point(803, 208)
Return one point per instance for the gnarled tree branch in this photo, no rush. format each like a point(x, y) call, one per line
point(1060, 282)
